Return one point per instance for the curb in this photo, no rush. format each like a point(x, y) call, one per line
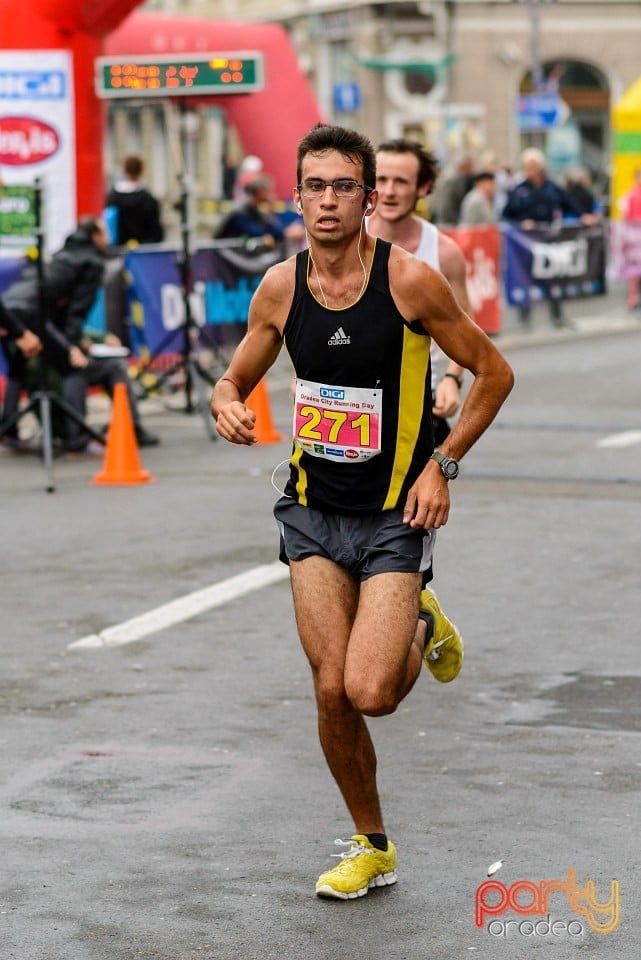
point(580, 329)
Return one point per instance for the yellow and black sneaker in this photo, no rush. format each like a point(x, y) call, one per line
point(361, 868)
point(443, 654)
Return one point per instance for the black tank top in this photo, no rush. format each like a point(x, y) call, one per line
point(362, 385)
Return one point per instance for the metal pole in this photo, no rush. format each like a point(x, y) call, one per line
point(534, 8)
point(536, 70)
point(45, 404)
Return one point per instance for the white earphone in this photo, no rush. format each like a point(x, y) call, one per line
point(368, 208)
point(300, 208)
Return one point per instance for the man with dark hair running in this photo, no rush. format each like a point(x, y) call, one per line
point(365, 488)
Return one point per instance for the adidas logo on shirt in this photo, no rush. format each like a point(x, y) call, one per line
point(339, 338)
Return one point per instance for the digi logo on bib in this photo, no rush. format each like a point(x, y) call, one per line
point(331, 393)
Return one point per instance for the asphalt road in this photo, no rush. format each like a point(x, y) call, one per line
point(165, 799)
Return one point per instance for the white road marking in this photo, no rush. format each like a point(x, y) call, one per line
point(625, 439)
point(183, 608)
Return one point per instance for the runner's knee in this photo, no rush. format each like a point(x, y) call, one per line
point(372, 696)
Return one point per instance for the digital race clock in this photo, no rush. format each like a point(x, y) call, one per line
point(173, 75)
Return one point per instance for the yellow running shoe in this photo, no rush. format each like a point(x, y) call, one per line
point(361, 868)
point(443, 655)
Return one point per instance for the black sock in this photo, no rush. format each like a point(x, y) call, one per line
point(378, 840)
point(429, 623)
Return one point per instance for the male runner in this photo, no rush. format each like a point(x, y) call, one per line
point(365, 488)
point(406, 172)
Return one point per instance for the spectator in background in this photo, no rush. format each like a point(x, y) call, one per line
point(255, 219)
point(477, 207)
point(138, 210)
point(631, 213)
point(71, 281)
point(503, 179)
point(250, 168)
point(503, 183)
point(578, 185)
point(12, 328)
point(137, 221)
point(445, 202)
point(538, 201)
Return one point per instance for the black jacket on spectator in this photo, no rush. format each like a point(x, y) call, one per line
point(542, 203)
point(71, 281)
point(582, 198)
point(12, 324)
point(138, 216)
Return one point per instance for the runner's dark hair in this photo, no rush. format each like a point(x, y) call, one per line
point(351, 144)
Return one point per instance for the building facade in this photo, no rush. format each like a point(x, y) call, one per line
point(459, 74)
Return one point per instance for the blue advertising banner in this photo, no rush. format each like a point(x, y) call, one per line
point(10, 270)
point(566, 263)
point(222, 283)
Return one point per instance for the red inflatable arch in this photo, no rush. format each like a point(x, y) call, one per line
point(79, 27)
point(269, 122)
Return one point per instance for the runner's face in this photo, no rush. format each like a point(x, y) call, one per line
point(328, 217)
point(396, 182)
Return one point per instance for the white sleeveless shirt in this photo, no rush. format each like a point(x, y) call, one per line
point(427, 251)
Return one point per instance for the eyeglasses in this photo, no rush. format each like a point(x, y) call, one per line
point(314, 188)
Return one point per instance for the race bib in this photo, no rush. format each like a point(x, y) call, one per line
point(338, 423)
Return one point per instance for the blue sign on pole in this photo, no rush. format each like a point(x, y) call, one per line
point(347, 97)
point(540, 111)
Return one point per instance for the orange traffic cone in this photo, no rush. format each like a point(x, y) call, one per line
point(122, 463)
point(258, 401)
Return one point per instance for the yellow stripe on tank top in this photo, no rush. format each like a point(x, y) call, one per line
point(414, 364)
point(301, 483)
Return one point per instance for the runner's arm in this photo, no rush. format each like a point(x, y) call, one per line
point(447, 396)
point(424, 294)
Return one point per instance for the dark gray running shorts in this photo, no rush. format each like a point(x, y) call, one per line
point(365, 544)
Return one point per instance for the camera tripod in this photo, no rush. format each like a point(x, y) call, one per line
point(43, 399)
point(197, 377)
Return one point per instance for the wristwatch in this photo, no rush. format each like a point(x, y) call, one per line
point(449, 466)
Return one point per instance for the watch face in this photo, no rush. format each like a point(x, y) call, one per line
point(450, 468)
